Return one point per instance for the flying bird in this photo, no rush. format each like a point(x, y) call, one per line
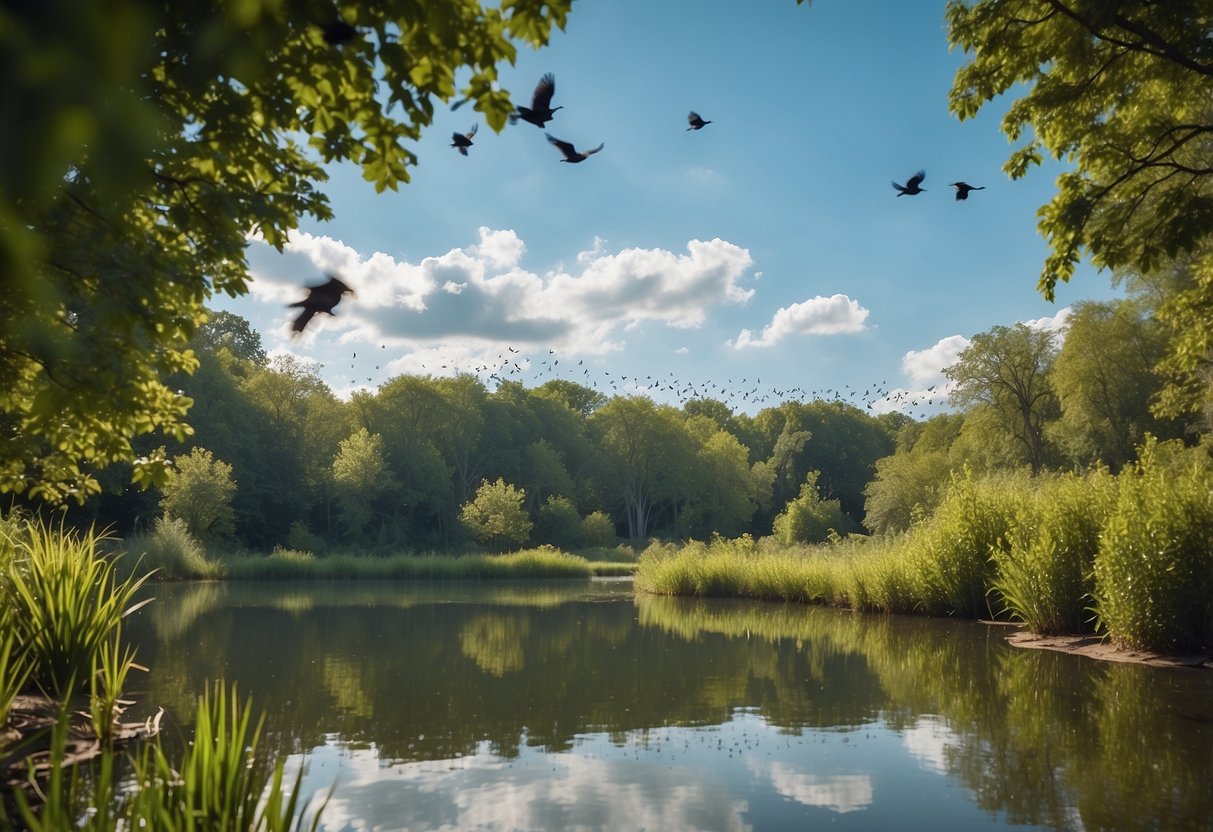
point(464, 140)
point(695, 121)
point(322, 298)
point(963, 188)
point(911, 186)
point(541, 111)
point(571, 154)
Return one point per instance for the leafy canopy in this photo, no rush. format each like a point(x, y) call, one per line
point(145, 142)
point(1120, 90)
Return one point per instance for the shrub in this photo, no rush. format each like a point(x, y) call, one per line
point(559, 523)
point(171, 551)
point(809, 518)
point(200, 491)
point(496, 515)
point(597, 530)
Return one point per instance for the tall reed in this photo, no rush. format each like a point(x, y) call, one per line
point(1045, 573)
point(1154, 569)
point(222, 782)
point(67, 602)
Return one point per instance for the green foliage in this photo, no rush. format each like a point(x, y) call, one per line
point(1007, 369)
point(559, 523)
point(67, 601)
point(949, 553)
point(809, 518)
point(152, 140)
point(359, 477)
point(1154, 569)
point(1046, 569)
point(597, 529)
point(1118, 90)
point(171, 552)
point(543, 562)
point(496, 515)
point(1104, 377)
point(199, 491)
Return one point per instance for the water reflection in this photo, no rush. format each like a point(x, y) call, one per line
point(574, 705)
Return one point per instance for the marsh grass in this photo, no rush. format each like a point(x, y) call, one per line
point(542, 562)
point(1045, 573)
point(171, 551)
point(1154, 570)
point(67, 602)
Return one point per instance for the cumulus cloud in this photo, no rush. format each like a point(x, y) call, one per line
point(1055, 324)
point(816, 316)
point(926, 366)
point(482, 294)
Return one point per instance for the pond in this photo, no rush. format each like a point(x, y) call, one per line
point(575, 705)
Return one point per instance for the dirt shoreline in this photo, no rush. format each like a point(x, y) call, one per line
point(1096, 648)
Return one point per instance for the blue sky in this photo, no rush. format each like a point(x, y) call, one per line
point(769, 245)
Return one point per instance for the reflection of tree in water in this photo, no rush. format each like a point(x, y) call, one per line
point(494, 641)
point(343, 681)
point(1054, 740)
point(173, 618)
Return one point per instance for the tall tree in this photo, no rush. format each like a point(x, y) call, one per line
point(1007, 369)
point(644, 451)
point(1119, 90)
point(148, 141)
point(1104, 378)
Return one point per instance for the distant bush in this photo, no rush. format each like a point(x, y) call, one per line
point(171, 551)
point(301, 538)
point(597, 530)
point(559, 523)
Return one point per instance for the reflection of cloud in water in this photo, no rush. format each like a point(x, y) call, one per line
point(929, 741)
point(561, 791)
point(840, 793)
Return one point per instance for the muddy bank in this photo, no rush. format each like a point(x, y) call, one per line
point(1096, 648)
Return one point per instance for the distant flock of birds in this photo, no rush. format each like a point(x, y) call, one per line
point(323, 298)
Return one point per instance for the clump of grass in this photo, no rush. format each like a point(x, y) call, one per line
point(221, 782)
point(949, 553)
point(172, 552)
point(67, 602)
point(1045, 573)
point(1154, 568)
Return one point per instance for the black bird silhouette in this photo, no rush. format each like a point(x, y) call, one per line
point(464, 140)
point(963, 188)
point(695, 121)
point(541, 111)
point(322, 298)
point(911, 186)
point(571, 154)
point(338, 32)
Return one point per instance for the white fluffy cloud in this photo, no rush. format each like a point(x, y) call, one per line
point(481, 295)
point(926, 366)
point(816, 316)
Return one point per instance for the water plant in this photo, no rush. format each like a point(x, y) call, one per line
point(67, 602)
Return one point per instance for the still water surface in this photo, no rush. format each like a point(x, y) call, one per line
point(575, 705)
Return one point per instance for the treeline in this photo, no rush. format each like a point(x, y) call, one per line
point(276, 458)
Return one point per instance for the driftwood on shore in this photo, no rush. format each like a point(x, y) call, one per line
point(25, 742)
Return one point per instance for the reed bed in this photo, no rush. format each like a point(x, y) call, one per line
point(1128, 557)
